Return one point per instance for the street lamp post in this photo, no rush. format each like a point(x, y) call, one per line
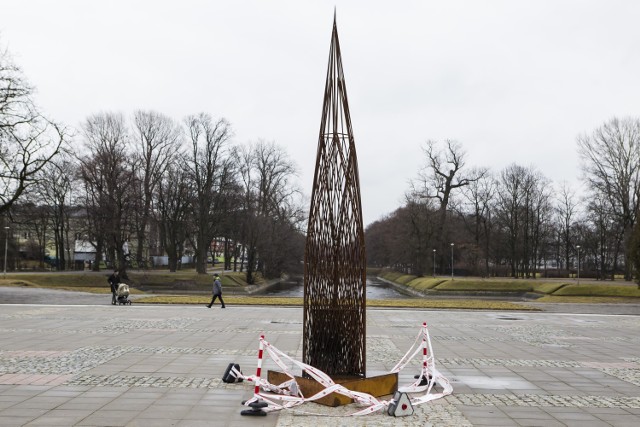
point(578, 248)
point(451, 261)
point(434, 263)
point(6, 242)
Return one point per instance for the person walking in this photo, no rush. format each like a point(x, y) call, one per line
point(217, 290)
point(114, 281)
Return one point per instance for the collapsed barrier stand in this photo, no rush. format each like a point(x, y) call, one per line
point(288, 395)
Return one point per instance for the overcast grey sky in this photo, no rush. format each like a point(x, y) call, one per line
point(513, 81)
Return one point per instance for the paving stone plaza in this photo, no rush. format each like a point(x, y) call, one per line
point(103, 365)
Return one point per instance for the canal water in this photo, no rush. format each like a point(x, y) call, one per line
point(376, 289)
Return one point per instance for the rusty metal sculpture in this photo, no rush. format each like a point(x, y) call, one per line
point(335, 265)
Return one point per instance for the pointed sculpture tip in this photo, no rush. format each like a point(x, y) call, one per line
point(334, 15)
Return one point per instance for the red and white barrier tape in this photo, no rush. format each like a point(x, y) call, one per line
point(288, 394)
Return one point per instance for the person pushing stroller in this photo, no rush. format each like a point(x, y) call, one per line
point(114, 281)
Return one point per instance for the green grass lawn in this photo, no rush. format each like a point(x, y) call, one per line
point(597, 290)
point(174, 283)
point(550, 290)
point(53, 280)
point(293, 301)
point(483, 286)
point(97, 282)
point(425, 283)
point(585, 300)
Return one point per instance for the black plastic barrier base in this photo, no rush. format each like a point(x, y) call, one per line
point(229, 376)
point(423, 380)
point(256, 409)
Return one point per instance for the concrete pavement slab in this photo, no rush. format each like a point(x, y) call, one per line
point(143, 365)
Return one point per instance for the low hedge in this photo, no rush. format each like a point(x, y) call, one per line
point(547, 288)
point(483, 286)
point(424, 283)
point(598, 291)
point(403, 280)
point(391, 275)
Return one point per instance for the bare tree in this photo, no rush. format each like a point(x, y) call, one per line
point(28, 140)
point(108, 179)
point(477, 206)
point(173, 201)
point(611, 166)
point(271, 215)
point(277, 206)
point(522, 210)
point(158, 141)
point(211, 172)
point(377, 241)
point(540, 217)
point(609, 234)
point(32, 218)
point(566, 211)
point(443, 175)
point(244, 234)
point(54, 191)
point(404, 240)
point(635, 251)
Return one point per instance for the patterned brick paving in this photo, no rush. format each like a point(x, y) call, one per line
point(505, 351)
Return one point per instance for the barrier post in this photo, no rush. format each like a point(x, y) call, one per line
point(256, 390)
point(424, 350)
point(256, 404)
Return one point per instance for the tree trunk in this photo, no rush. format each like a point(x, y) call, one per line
point(201, 254)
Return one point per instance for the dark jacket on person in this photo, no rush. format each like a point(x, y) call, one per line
point(114, 280)
point(217, 286)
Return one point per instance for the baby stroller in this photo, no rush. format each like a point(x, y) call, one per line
point(122, 294)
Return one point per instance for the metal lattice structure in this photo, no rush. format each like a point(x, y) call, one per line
point(335, 265)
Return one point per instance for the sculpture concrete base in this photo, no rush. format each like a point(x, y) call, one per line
point(377, 386)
